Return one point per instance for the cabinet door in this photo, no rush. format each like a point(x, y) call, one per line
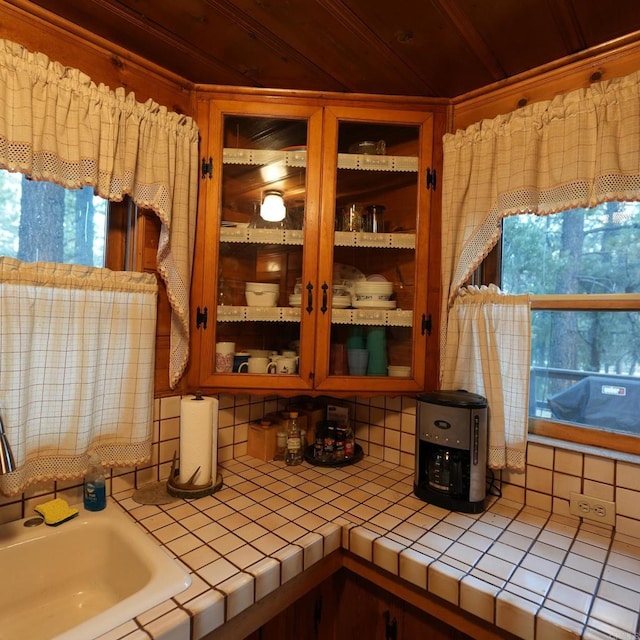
point(365, 610)
point(418, 624)
point(374, 241)
point(312, 617)
point(253, 259)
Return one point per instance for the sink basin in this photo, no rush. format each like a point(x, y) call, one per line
point(82, 578)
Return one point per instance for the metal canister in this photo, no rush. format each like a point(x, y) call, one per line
point(374, 218)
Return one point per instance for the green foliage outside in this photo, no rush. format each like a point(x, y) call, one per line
point(42, 221)
point(577, 252)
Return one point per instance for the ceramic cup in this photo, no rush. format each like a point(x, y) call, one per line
point(259, 353)
point(358, 360)
point(239, 358)
point(257, 364)
point(224, 356)
point(285, 364)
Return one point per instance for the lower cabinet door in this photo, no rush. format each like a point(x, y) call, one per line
point(366, 611)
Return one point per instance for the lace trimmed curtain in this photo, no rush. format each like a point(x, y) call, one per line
point(77, 355)
point(57, 125)
point(577, 150)
point(488, 352)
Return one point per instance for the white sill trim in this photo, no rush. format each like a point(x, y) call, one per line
point(583, 448)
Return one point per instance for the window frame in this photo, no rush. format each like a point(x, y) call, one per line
point(489, 272)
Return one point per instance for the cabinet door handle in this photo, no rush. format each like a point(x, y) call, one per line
point(391, 627)
point(309, 298)
point(323, 308)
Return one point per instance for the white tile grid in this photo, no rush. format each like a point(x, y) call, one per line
point(422, 560)
point(540, 546)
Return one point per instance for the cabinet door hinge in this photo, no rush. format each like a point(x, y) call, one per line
point(431, 178)
point(426, 324)
point(207, 168)
point(391, 627)
point(201, 318)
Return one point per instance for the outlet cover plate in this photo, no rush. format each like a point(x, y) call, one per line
point(593, 509)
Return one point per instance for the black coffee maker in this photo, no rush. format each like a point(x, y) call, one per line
point(451, 450)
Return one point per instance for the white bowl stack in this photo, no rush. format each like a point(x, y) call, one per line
point(261, 294)
point(366, 291)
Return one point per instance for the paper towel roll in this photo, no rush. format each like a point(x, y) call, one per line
point(198, 439)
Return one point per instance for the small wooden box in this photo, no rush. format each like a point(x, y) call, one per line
point(261, 441)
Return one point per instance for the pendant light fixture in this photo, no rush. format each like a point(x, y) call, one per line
point(272, 208)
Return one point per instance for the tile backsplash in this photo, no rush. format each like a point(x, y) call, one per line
point(385, 429)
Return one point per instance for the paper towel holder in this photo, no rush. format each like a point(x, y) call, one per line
point(189, 489)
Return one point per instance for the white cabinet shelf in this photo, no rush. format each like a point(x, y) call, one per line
point(371, 317)
point(298, 158)
point(296, 237)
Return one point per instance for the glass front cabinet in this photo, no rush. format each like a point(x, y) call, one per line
point(312, 247)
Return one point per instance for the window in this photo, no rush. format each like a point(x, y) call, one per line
point(42, 221)
point(583, 267)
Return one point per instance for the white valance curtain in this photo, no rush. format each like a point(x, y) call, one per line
point(577, 150)
point(77, 355)
point(57, 125)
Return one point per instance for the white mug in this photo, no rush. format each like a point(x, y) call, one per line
point(286, 365)
point(224, 356)
point(258, 365)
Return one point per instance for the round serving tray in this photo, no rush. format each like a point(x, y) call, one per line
point(308, 456)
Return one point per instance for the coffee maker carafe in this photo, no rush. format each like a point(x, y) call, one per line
point(451, 450)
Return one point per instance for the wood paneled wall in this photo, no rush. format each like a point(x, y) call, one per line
point(616, 59)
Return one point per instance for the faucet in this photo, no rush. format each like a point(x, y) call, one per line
point(7, 463)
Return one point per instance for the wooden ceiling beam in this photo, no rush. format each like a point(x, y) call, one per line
point(269, 39)
point(564, 13)
point(378, 49)
point(168, 39)
point(459, 20)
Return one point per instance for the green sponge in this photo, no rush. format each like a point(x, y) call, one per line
point(56, 512)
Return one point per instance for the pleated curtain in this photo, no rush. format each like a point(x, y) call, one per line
point(58, 125)
point(77, 355)
point(576, 150)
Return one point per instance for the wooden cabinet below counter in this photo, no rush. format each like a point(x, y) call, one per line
point(348, 606)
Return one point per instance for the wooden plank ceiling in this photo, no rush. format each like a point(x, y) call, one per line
point(437, 48)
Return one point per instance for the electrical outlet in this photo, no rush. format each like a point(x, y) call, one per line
point(591, 508)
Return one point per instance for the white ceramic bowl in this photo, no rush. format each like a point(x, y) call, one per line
point(373, 290)
point(261, 294)
point(262, 286)
point(295, 300)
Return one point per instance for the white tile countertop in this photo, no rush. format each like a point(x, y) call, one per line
point(534, 574)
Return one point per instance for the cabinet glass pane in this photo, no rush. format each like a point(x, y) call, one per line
point(261, 157)
point(376, 205)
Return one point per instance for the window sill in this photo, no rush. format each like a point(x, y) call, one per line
point(584, 448)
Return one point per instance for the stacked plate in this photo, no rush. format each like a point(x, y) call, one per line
point(374, 304)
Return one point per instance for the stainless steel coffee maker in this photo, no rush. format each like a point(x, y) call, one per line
point(451, 450)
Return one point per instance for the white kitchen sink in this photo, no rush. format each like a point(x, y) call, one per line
point(82, 578)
